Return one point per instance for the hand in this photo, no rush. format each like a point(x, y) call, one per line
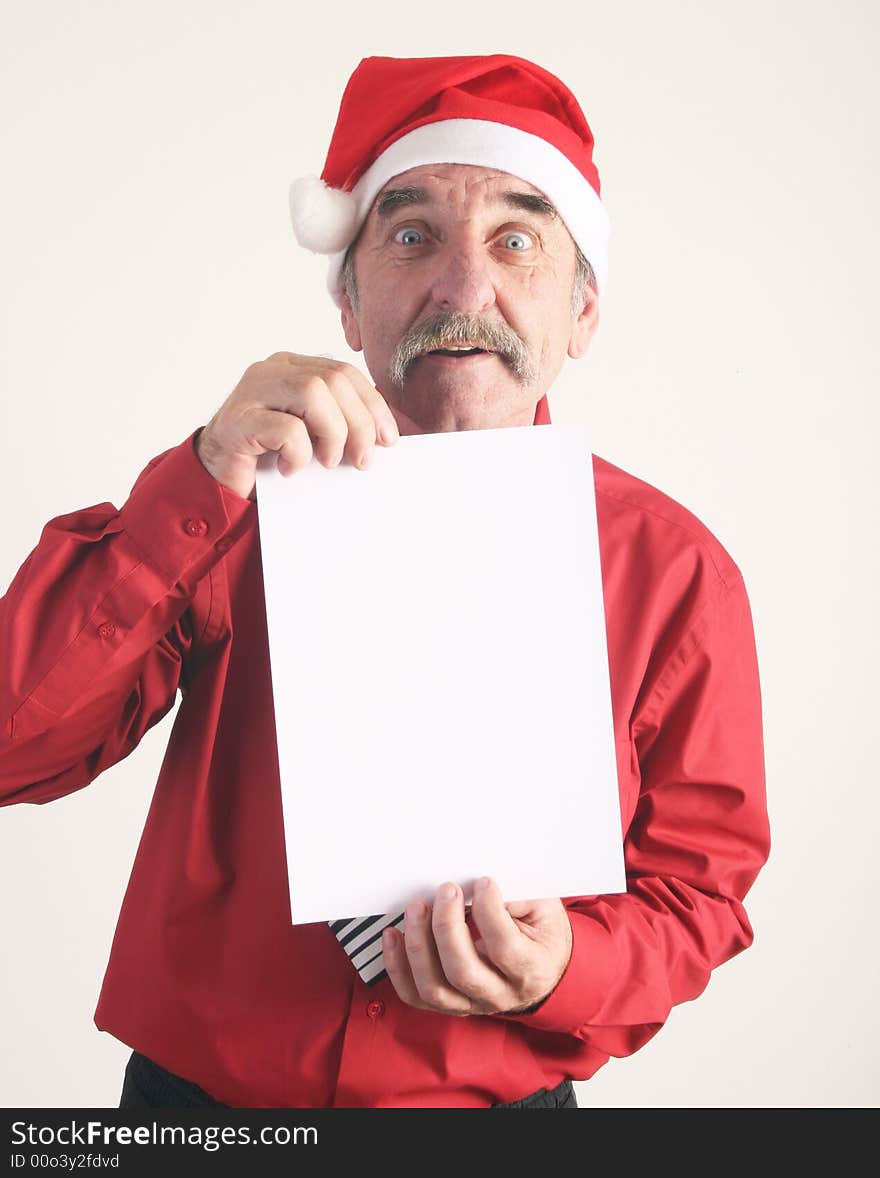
point(297, 406)
point(521, 951)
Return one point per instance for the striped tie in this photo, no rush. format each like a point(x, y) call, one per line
point(361, 939)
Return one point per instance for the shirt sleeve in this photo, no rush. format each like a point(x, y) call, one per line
point(698, 838)
point(97, 624)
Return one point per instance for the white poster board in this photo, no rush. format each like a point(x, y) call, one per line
point(440, 672)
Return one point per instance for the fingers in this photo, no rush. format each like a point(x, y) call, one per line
point(358, 433)
point(330, 397)
point(366, 414)
point(528, 941)
point(463, 967)
point(386, 425)
point(500, 935)
point(413, 965)
point(436, 966)
point(515, 961)
point(263, 430)
point(299, 407)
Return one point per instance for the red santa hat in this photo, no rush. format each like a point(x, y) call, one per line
point(497, 112)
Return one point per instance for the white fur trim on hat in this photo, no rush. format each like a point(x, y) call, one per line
point(325, 220)
point(489, 145)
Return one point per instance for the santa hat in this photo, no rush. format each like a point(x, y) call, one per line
point(497, 112)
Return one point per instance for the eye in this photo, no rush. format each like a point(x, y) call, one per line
point(517, 241)
point(408, 236)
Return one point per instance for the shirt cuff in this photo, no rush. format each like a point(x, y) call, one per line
point(180, 519)
point(581, 991)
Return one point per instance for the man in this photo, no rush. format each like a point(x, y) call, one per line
point(460, 209)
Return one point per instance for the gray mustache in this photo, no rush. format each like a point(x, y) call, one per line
point(453, 328)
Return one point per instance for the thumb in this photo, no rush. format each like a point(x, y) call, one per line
point(533, 911)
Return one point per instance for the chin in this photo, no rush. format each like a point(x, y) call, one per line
point(450, 420)
point(443, 410)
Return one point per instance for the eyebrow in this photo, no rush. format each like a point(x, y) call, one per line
point(393, 199)
point(530, 202)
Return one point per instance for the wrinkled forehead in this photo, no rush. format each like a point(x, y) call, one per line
point(464, 174)
point(444, 183)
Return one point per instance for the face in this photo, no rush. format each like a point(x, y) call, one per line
point(464, 298)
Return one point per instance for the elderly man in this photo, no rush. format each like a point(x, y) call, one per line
point(460, 209)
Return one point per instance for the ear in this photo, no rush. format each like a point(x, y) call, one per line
point(350, 324)
point(584, 325)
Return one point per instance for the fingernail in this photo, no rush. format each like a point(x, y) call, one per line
point(447, 892)
point(364, 460)
point(482, 884)
point(389, 941)
point(415, 911)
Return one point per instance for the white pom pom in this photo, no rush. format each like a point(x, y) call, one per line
point(325, 220)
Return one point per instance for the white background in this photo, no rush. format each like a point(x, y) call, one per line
point(147, 150)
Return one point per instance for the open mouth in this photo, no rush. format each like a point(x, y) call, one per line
point(459, 353)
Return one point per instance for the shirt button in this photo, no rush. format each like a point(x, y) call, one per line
point(106, 630)
point(375, 1008)
point(195, 527)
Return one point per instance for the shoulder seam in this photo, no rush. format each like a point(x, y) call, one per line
point(687, 647)
point(722, 574)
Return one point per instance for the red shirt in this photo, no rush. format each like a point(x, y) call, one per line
point(116, 610)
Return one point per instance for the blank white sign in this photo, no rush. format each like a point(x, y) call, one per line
point(440, 672)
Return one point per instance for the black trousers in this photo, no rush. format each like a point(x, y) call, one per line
point(146, 1085)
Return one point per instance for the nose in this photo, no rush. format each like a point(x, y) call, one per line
point(463, 279)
